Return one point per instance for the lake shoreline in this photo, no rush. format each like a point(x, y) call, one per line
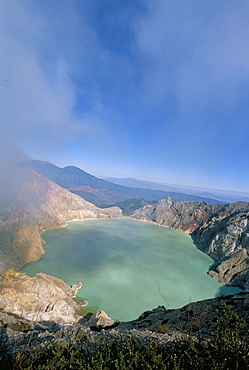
point(121, 275)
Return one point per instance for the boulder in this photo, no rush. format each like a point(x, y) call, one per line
point(100, 320)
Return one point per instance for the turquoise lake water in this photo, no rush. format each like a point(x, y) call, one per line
point(127, 267)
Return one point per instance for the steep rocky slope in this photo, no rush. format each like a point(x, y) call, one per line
point(39, 205)
point(221, 229)
point(227, 241)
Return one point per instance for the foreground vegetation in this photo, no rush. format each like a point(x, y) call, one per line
point(227, 349)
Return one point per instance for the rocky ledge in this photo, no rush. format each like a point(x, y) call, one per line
point(42, 297)
point(160, 324)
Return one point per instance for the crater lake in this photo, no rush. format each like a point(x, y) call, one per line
point(127, 267)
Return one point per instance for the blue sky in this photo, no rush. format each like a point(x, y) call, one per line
point(156, 90)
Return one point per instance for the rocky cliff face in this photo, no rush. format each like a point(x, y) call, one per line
point(42, 297)
point(227, 241)
point(39, 205)
point(221, 229)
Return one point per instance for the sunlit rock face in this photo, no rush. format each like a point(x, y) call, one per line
point(182, 216)
point(100, 320)
point(39, 205)
point(227, 241)
point(221, 229)
point(42, 297)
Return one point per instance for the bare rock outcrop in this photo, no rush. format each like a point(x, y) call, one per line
point(42, 297)
point(227, 241)
point(100, 320)
point(182, 216)
point(200, 316)
point(221, 229)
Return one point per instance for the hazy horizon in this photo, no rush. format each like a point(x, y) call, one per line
point(220, 193)
point(155, 91)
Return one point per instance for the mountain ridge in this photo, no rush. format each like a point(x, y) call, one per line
point(100, 192)
point(218, 195)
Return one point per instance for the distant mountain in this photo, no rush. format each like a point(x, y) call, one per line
point(222, 196)
point(134, 183)
point(227, 197)
point(100, 192)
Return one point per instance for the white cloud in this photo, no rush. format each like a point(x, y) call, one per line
point(42, 54)
point(195, 51)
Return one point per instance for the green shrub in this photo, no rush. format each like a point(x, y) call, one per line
point(228, 349)
point(164, 329)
